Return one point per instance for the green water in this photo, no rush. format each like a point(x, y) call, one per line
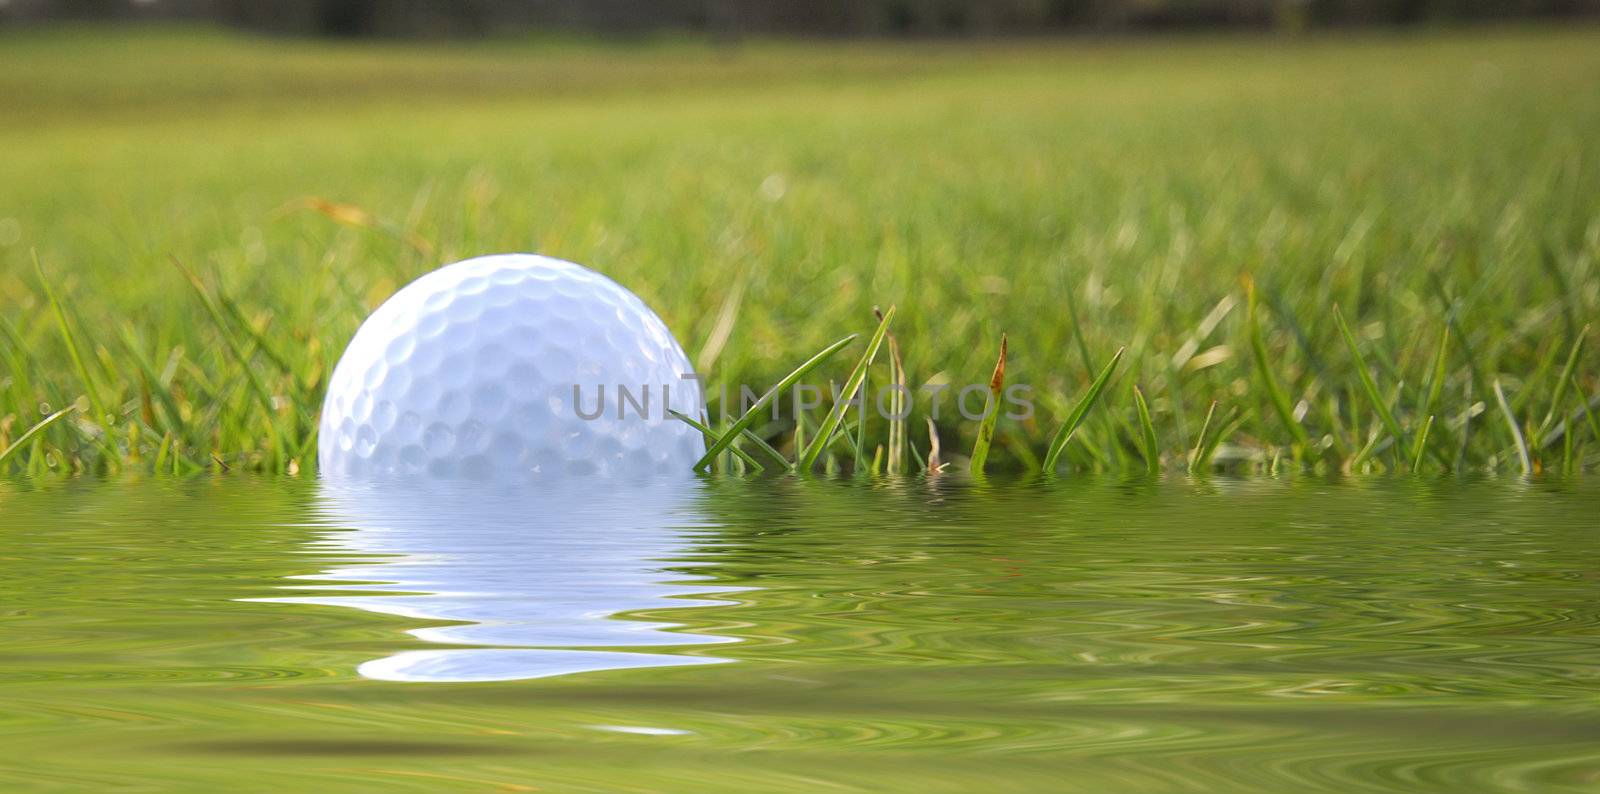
point(1226, 636)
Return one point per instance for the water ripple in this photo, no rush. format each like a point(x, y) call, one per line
point(1360, 636)
point(525, 574)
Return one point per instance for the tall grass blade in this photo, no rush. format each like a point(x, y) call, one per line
point(172, 418)
point(1064, 434)
point(74, 352)
point(991, 415)
point(1421, 445)
point(1453, 321)
point(1368, 385)
point(265, 345)
point(1437, 373)
point(750, 416)
point(1567, 373)
point(241, 358)
point(899, 440)
point(1516, 432)
point(922, 463)
point(848, 432)
point(1200, 443)
point(852, 384)
point(30, 433)
point(1275, 391)
point(761, 444)
point(1147, 432)
point(861, 428)
point(1360, 458)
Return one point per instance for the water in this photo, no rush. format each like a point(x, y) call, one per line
point(783, 636)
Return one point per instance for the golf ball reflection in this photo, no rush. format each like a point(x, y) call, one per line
point(535, 578)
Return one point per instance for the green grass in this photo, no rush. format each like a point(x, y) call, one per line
point(1202, 203)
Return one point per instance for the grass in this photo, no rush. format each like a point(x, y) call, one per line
point(212, 216)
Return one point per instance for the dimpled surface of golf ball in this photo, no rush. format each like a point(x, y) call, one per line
point(510, 367)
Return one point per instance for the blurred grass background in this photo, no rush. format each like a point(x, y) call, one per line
point(1416, 180)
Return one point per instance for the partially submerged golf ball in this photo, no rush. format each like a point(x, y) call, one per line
point(510, 367)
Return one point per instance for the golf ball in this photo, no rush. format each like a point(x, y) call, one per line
point(510, 367)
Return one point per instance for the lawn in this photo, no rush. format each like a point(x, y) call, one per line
point(1201, 204)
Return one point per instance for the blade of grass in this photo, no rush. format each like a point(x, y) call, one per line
point(172, 419)
point(280, 451)
point(161, 452)
point(935, 464)
point(1147, 433)
point(1368, 384)
point(1561, 387)
point(991, 414)
point(852, 384)
point(1201, 442)
point(762, 445)
point(750, 416)
point(1258, 345)
point(898, 437)
point(861, 430)
point(1421, 445)
point(711, 437)
point(1366, 450)
point(74, 352)
point(266, 347)
point(37, 462)
point(1516, 432)
point(1438, 374)
point(1079, 411)
point(848, 432)
point(799, 439)
point(1453, 321)
point(262, 395)
point(30, 433)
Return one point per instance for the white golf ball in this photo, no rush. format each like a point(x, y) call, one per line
point(509, 367)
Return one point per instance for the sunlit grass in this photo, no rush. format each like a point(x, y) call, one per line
point(1200, 205)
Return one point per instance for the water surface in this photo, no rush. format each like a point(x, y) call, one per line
point(1094, 636)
